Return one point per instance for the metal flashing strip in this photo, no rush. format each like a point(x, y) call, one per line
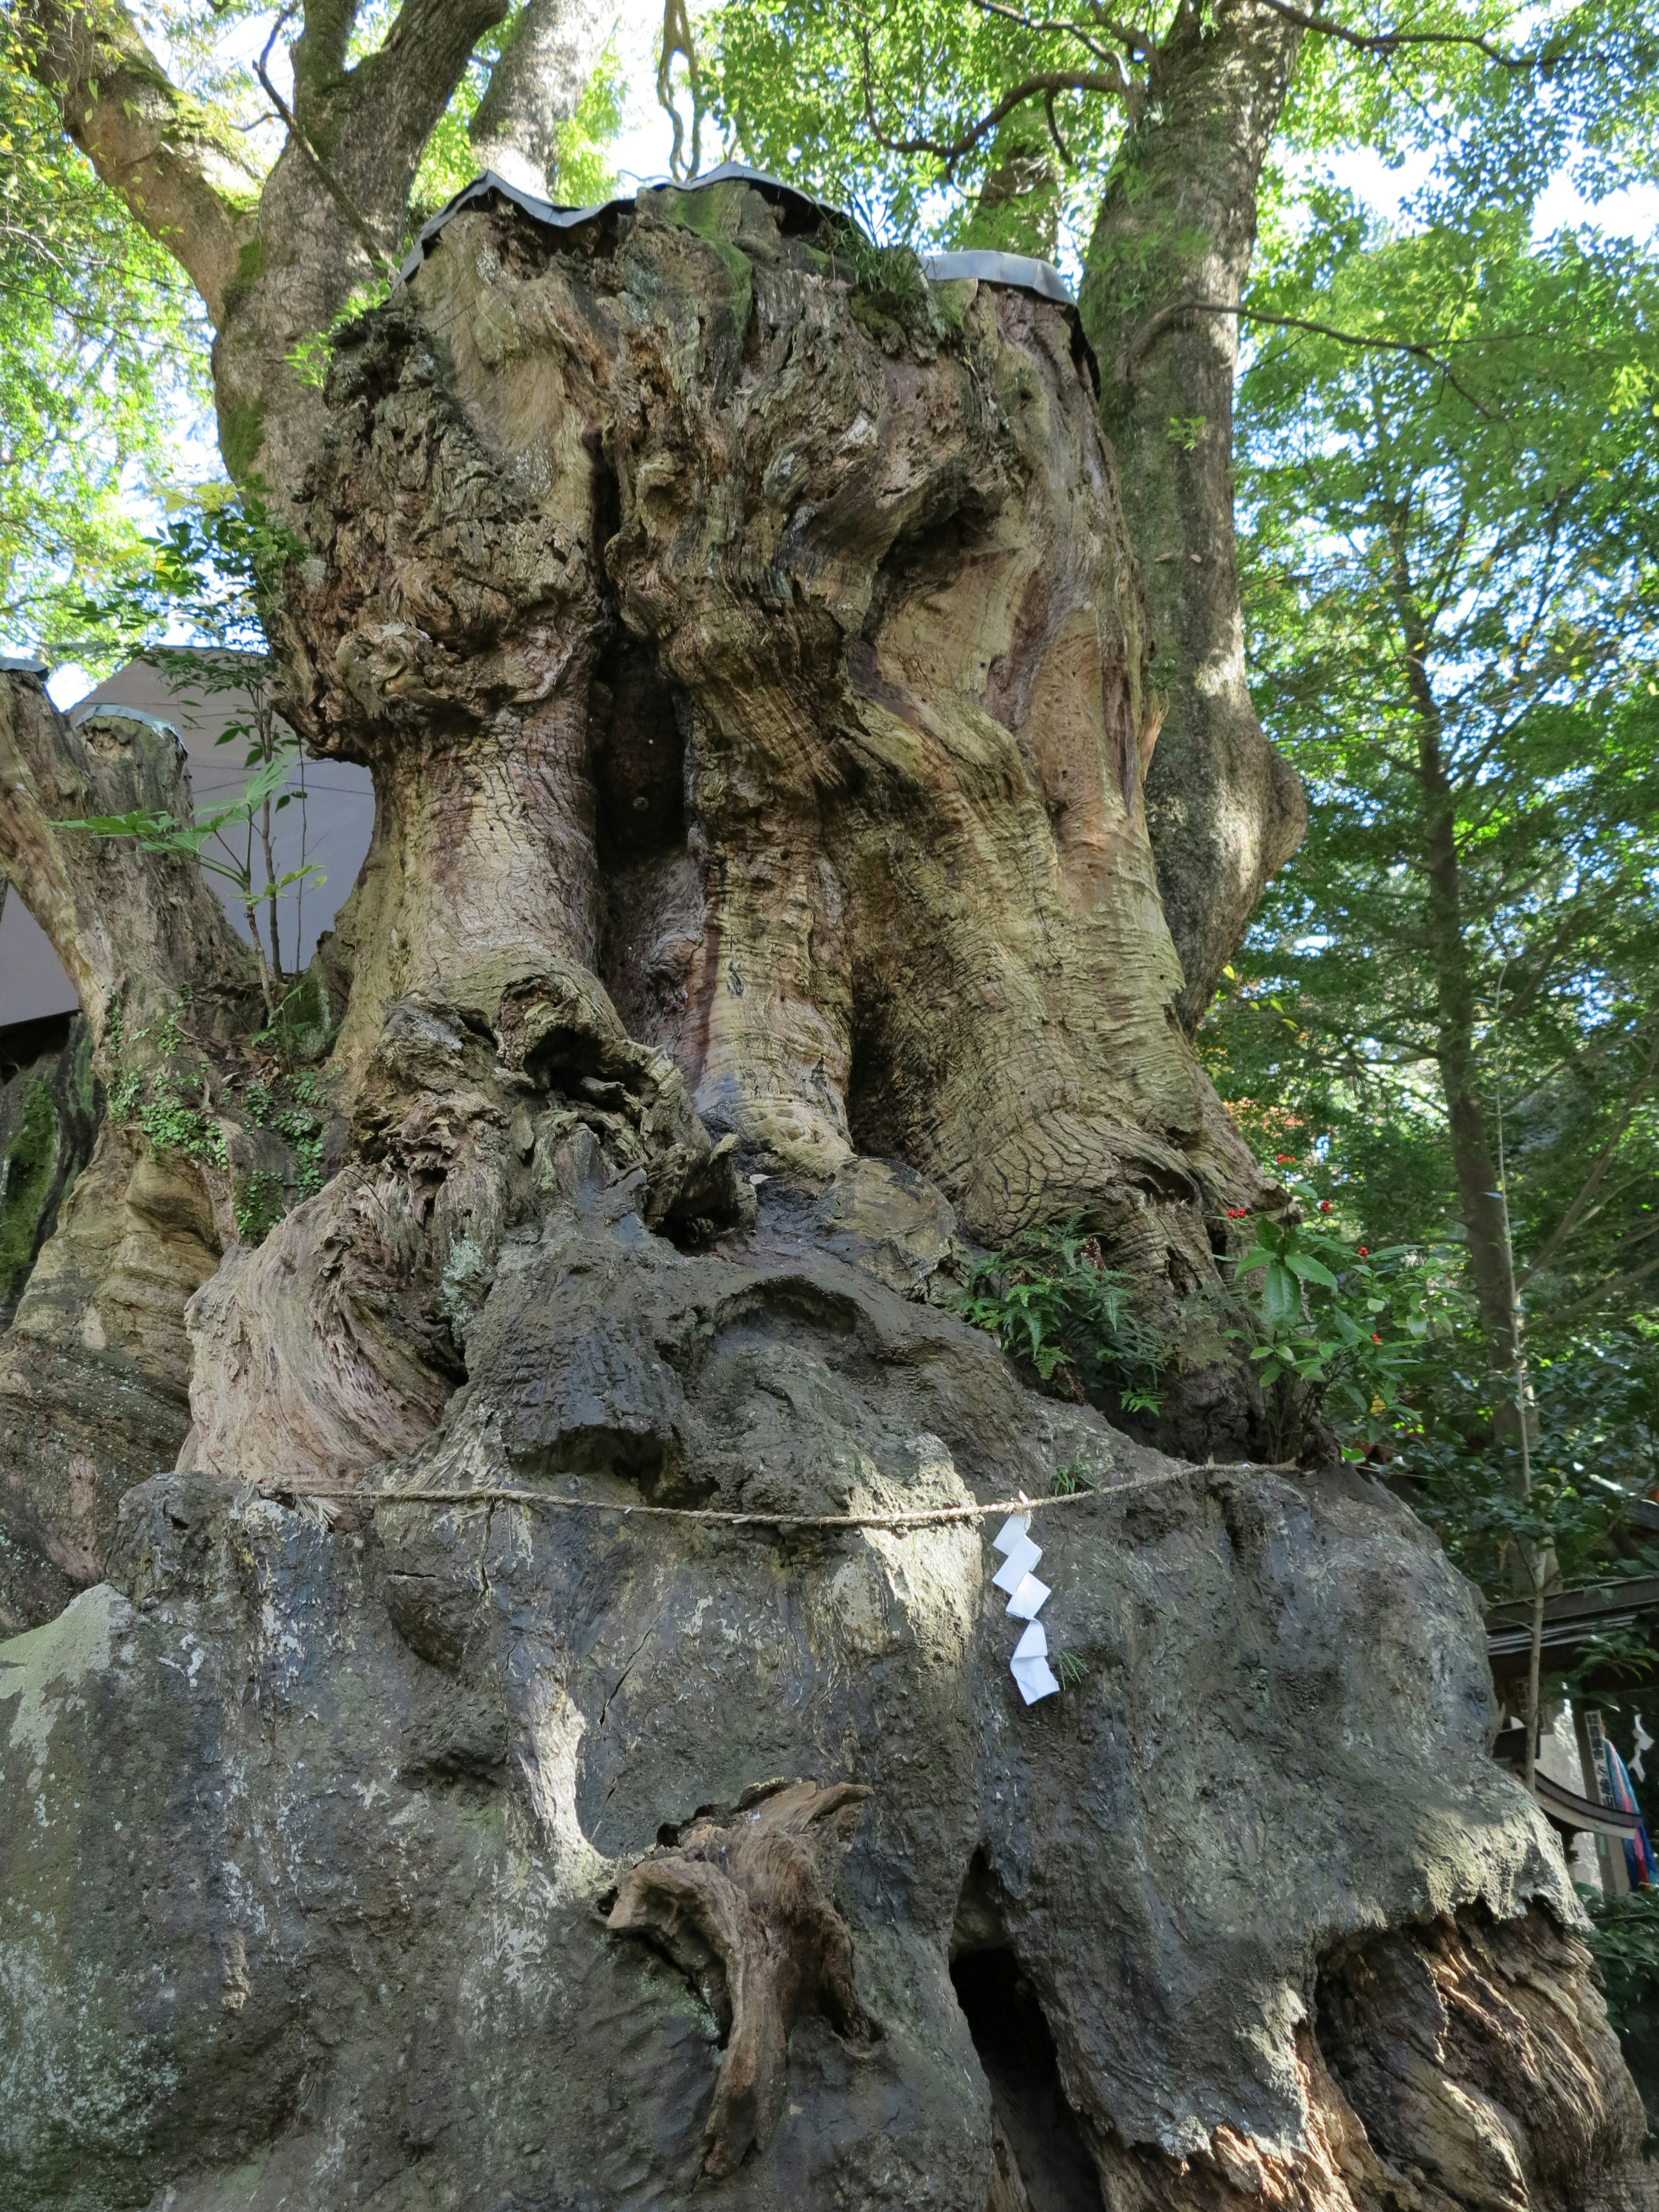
point(556, 216)
point(1018, 271)
point(107, 710)
point(546, 212)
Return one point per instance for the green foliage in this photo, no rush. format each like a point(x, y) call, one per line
point(788, 80)
point(291, 1105)
point(172, 1121)
point(313, 357)
point(1590, 1453)
point(257, 1202)
point(1452, 596)
point(585, 170)
point(586, 173)
point(26, 1168)
point(1391, 1338)
point(102, 348)
point(1310, 1306)
point(161, 1087)
point(1052, 1302)
point(1498, 555)
point(216, 569)
point(882, 110)
point(1624, 1938)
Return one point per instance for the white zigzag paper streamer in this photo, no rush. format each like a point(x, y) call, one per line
point(1026, 1597)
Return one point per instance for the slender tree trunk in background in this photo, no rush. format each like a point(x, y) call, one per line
point(537, 87)
point(1492, 1265)
point(1177, 225)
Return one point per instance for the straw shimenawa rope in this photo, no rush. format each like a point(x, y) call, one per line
point(917, 1517)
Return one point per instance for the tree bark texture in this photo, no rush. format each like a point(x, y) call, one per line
point(1166, 266)
point(753, 673)
point(537, 87)
point(791, 687)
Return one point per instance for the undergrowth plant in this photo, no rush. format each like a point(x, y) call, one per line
point(1624, 1933)
point(1053, 1303)
point(167, 1100)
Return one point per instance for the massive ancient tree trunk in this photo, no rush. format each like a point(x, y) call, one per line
point(516, 1757)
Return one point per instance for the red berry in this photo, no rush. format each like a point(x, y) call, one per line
point(1324, 1206)
point(1364, 1253)
point(1376, 1339)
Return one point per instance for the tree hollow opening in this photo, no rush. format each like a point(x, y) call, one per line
point(1011, 2034)
point(650, 888)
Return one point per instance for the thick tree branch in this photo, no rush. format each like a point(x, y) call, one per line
point(536, 87)
point(1115, 84)
point(1178, 222)
point(331, 184)
point(1393, 42)
point(319, 52)
point(1153, 323)
point(396, 95)
point(160, 150)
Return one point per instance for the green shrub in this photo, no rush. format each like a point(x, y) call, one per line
point(1625, 1937)
point(1052, 1302)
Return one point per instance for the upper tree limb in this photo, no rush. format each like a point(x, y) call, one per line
point(536, 86)
point(1178, 223)
point(162, 152)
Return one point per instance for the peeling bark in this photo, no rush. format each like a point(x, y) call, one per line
point(741, 1908)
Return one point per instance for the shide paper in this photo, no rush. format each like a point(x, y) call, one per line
point(1017, 1565)
point(1026, 1598)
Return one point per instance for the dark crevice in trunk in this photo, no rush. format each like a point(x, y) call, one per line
point(50, 1107)
point(1017, 2053)
point(875, 1099)
point(650, 884)
point(1011, 2036)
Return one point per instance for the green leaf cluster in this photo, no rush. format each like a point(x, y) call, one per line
point(217, 570)
point(1452, 570)
point(103, 350)
point(1624, 1936)
point(1053, 1303)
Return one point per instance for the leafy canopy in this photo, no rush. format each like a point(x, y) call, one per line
point(104, 373)
point(102, 350)
point(1483, 554)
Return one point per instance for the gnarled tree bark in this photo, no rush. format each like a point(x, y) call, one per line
point(755, 677)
